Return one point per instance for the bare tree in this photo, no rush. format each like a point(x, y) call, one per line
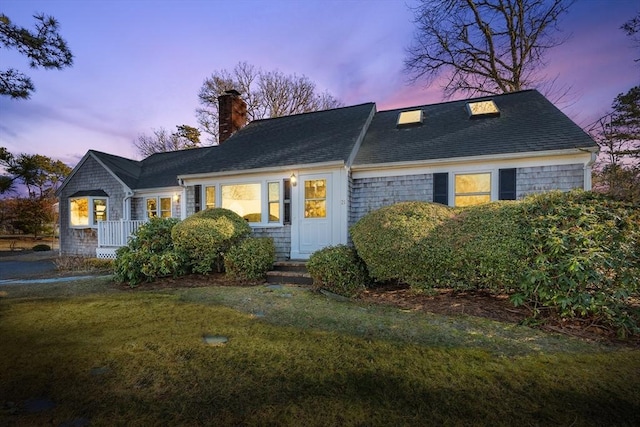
point(632, 29)
point(161, 141)
point(44, 47)
point(484, 46)
point(267, 94)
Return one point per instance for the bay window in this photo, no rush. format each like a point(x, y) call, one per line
point(86, 211)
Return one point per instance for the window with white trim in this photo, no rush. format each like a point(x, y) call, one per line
point(158, 207)
point(472, 189)
point(210, 197)
point(265, 202)
point(85, 212)
point(274, 201)
point(243, 199)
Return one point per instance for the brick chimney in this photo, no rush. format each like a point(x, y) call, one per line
point(232, 112)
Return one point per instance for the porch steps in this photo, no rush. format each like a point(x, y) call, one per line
point(291, 272)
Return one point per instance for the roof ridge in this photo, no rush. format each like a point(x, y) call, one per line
point(459, 100)
point(313, 112)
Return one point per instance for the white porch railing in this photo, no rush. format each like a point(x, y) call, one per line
point(115, 234)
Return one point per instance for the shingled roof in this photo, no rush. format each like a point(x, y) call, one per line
point(301, 139)
point(527, 123)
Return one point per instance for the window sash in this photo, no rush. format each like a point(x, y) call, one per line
point(165, 207)
point(315, 198)
point(87, 211)
point(472, 189)
point(274, 201)
point(159, 207)
point(210, 197)
point(244, 199)
point(259, 202)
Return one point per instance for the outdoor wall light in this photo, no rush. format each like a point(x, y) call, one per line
point(176, 198)
point(293, 179)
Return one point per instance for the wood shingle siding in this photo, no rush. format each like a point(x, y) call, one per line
point(84, 241)
point(544, 178)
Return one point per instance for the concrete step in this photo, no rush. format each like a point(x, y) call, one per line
point(291, 265)
point(289, 272)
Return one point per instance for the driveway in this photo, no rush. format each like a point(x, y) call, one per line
point(25, 265)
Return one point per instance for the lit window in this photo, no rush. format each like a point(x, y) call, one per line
point(165, 207)
point(409, 118)
point(152, 208)
point(274, 201)
point(210, 197)
point(315, 198)
point(472, 189)
point(243, 199)
point(159, 207)
point(87, 211)
point(486, 108)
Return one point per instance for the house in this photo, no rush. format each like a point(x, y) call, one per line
point(305, 179)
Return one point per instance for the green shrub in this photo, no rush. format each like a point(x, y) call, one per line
point(206, 236)
point(585, 256)
point(250, 259)
point(149, 254)
point(384, 238)
point(338, 269)
point(41, 248)
point(95, 264)
point(481, 247)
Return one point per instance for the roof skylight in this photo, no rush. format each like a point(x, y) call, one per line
point(413, 117)
point(479, 109)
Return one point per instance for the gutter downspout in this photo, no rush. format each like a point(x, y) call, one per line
point(588, 171)
point(126, 205)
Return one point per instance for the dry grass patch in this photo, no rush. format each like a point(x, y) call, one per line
point(294, 358)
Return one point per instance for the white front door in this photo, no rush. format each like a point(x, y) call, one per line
point(314, 213)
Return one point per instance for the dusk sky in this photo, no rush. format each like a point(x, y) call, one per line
point(139, 64)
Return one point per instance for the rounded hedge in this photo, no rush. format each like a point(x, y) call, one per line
point(206, 236)
point(384, 238)
point(481, 247)
point(338, 269)
point(584, 256)
point(41, 247)
point(150, 254)
point(250, 259)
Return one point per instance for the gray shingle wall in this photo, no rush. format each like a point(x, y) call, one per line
point(545, 178)
point(369, 194)
point(91, 176)
point(137, 208)
point(281, 238)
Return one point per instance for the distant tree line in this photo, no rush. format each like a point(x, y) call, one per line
point(40, 176)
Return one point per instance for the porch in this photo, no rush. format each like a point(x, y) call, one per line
point(113, 235)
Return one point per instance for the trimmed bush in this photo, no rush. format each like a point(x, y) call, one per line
point(250, 259)
point(481, 247)
point(206, 236)
point(585, 256)
point(150, 254)
point(338, 269)
point(41, 248)
point(384, 238)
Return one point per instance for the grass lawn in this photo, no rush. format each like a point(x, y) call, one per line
point(88, 353)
